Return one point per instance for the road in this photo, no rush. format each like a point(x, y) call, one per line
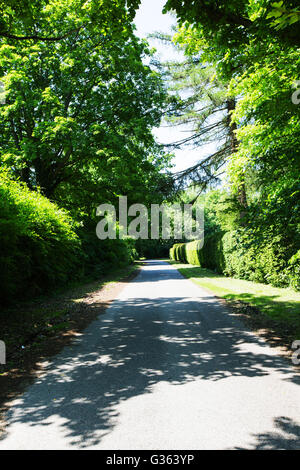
point(166, 367)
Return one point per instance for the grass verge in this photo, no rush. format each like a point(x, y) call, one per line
point(273, 312)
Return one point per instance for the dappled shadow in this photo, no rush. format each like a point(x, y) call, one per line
point(277, 319)
point(137, 344)
point(198, 271)
point(286, 436)
point(38, 335)
point(260, 312)
point(270, 303)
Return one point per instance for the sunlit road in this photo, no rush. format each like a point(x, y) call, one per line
point(167, 367)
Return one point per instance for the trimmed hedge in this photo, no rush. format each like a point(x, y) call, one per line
point(178, 252)
point(192, 253)
point(238, 254)
point(246, 259)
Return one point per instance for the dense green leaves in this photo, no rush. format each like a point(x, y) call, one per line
point(69, 110)
point(76, 126)
point(230, 23)
point(254, 47)
point(39, 245)
point(55, 20)
point(42, 248)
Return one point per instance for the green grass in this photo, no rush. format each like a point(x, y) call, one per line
point(280, 305)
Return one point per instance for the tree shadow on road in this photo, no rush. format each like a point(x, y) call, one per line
point(136, 345)
point(285, 437)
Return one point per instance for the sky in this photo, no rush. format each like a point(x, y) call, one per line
point(150, 19)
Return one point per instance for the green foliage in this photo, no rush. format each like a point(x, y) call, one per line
point(294, 270)
point(178, 252)
point(153, 249)
point(252, 252)
point(42, 248)
point(102, 256)
point(193, 253)
point(282, 17)
point(39, 245)
point(75, 126)
point(22, 20)
point(75, 119)
point(254, 46)
point(234, 23)
point(199, 100)
point(245, 259)
point(186, 253)
point(237, 255)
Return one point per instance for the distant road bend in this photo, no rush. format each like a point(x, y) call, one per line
point(166, 367)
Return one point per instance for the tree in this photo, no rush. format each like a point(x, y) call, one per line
point(23, 20)
point(235, 22)
point(261, 67)
point(80, 111)
point(200, 100)
point(268, 129)
point(199, 103)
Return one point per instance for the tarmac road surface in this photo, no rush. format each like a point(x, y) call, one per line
point(168, 366)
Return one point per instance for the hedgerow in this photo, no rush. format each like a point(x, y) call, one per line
point(39, 245)
point(42, 247)
point(238, 254)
